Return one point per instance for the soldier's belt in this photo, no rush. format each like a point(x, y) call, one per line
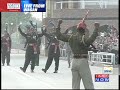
point(54, 44)
point(31, 44)
point(80, 56)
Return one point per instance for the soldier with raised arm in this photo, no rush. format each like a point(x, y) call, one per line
point(53, 52)
point(31, 47)
point(6, 48)
point(79, 45)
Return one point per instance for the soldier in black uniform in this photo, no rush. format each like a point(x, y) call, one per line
point(53, 53)
point(6, 48)
point(31, 48)
point(38, 47)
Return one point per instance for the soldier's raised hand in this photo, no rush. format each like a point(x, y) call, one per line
point(97, 25)
point(60, 21)
point(19, 27)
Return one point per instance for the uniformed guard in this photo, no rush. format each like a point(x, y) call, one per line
point(38, 44)
point(6, 48)
point(31, 47)
point(69, 53)
point(53, 53)
point(67, 47)
point(80, 45)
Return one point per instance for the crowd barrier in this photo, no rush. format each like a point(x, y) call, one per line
point(63, 53)
point(17, 51)
point(102, 57)
point(99, 57)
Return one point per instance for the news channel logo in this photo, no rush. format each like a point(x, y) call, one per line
point(101, 77)
point(108, 69)
point(33, 5)
point(13, 5)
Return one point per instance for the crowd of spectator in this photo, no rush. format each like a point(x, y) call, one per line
point(108, 42)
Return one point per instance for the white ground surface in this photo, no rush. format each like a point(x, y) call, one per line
point(14, 78)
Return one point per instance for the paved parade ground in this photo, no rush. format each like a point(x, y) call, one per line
point(14, 78)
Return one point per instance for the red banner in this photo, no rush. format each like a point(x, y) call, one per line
point(10, 5)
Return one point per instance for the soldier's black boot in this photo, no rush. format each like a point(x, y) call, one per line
point(69, 66)
point(22, 69)
point(32, 71)
point(44, 70)
point(55, 72)
point(8, 64)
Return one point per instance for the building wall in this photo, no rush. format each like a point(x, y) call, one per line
point(77, 13)
point(72, 17)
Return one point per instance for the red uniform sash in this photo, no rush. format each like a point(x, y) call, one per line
point(35, 48)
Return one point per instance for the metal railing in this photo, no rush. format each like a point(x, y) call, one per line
point(63, 53)
point(102, 57)
point(99, 57)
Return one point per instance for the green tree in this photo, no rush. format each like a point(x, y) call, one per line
point(13, 19)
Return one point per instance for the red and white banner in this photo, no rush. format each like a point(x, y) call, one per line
point(10, 5)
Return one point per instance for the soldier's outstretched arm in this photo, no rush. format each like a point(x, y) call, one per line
point(62, 37)
point(44, 32)
point(23, 34)
point(94, 35)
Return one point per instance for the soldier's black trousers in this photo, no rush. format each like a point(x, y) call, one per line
point(29, 57)
point(49, 61)
point(7, 57)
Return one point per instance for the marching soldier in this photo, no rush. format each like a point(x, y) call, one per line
point(31, 47)
point(53, 53)
point(69, 53)
point(79, 45)
point(6, 48)
point(68, 49)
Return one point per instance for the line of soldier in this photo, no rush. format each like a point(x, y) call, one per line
point(79, 45)
point(32, 46)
